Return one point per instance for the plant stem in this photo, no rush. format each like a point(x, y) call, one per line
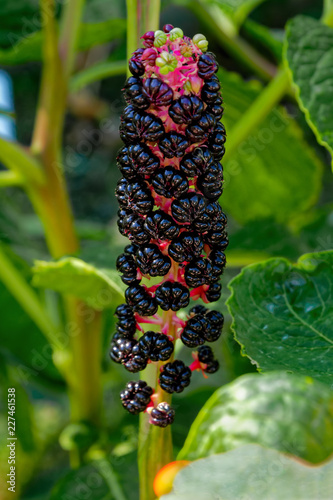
point(85, 380)
point(257, 112)
point(132, 28)
point(155, 443)
point(8, 179)
point(15, 157)
point(97, 72)
point(142, 16)
point(235, 45)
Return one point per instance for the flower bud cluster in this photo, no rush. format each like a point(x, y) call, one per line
point(169, 210)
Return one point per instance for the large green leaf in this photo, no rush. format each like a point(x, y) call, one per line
point(273, 173)
point(285, 412)
point(252, 473)
point(29, 48)
point(282, 314)
point(99, 288)
point(309, 54)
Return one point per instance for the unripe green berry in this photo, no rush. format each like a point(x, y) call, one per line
point(160, 38)
point(200, 41)
point(176, 33)
point(166, 62)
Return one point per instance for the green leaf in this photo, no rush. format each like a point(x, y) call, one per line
point(30, 354)
point(273, 173)
point(99, 288)
point(309, 55)
point(252, 473)
point(29, 48)
point(285, 412)
point(282, 314)
point(96, 481)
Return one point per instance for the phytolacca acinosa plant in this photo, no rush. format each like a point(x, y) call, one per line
point(168, 196)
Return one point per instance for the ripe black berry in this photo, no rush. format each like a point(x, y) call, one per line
point(163, 415)
point(161, 226)
point(201, 128)
point(193, 333)
point(175, 377)
point(172, 295)
point(218, 260)
point(210, 182)
point(216, 141)
point(170, 183)
point(191, 209)
point(137, 159)
point(216, 109)
point(140, 125)
point(210, 90)
point(198, 272)
point(134, 195)
point(140, 300)
point(133, 228)
point(198, 309)
point(157, 92)
point(151, 261)
point(173, 145)
point(126, 324)
point(197, 162)
point(133, 93)
point(186, 109)
point(214, 292)
point(128, 267)
point(156, 346)
point(136, 396)
point(126, 352)
point(135, 65)
point(186, 247)
point(206, 356)
point(207, 65)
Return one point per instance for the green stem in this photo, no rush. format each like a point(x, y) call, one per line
point(15, 157)
point(85, 380)
point(8, 179)
point(256, 113)
point(26, 297)
point(69, 35)
point(132, 28)
point(97, 72)
point(155, 443)
point(233, 44)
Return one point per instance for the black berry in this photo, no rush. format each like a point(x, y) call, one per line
point(136, 396)
point(156, 346)
point(163, 415)
point(172, 295)
point(170, 183)
point(175, 377)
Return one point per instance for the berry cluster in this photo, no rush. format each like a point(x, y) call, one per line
point(169, 210)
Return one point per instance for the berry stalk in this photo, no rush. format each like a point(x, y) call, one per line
point(169, 211)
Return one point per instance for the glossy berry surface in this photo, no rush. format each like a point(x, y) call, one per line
point(126, 352)
point(206, 356)
point(163, 415)
point(136, 396)
point(140, 300)
point(186, 247)
point(172, 295)
point(151, 261)
point(175, 377)
point(170, 183)
point(156, 346)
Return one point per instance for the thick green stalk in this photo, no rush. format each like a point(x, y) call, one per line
point(22, 164)
point(132, 28)
point(155, 443)
point(257, 112)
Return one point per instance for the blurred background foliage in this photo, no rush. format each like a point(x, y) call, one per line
point(278, 183)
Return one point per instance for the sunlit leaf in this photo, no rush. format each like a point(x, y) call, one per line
point(99, 288)
point(282, 314)
point(286, 412)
